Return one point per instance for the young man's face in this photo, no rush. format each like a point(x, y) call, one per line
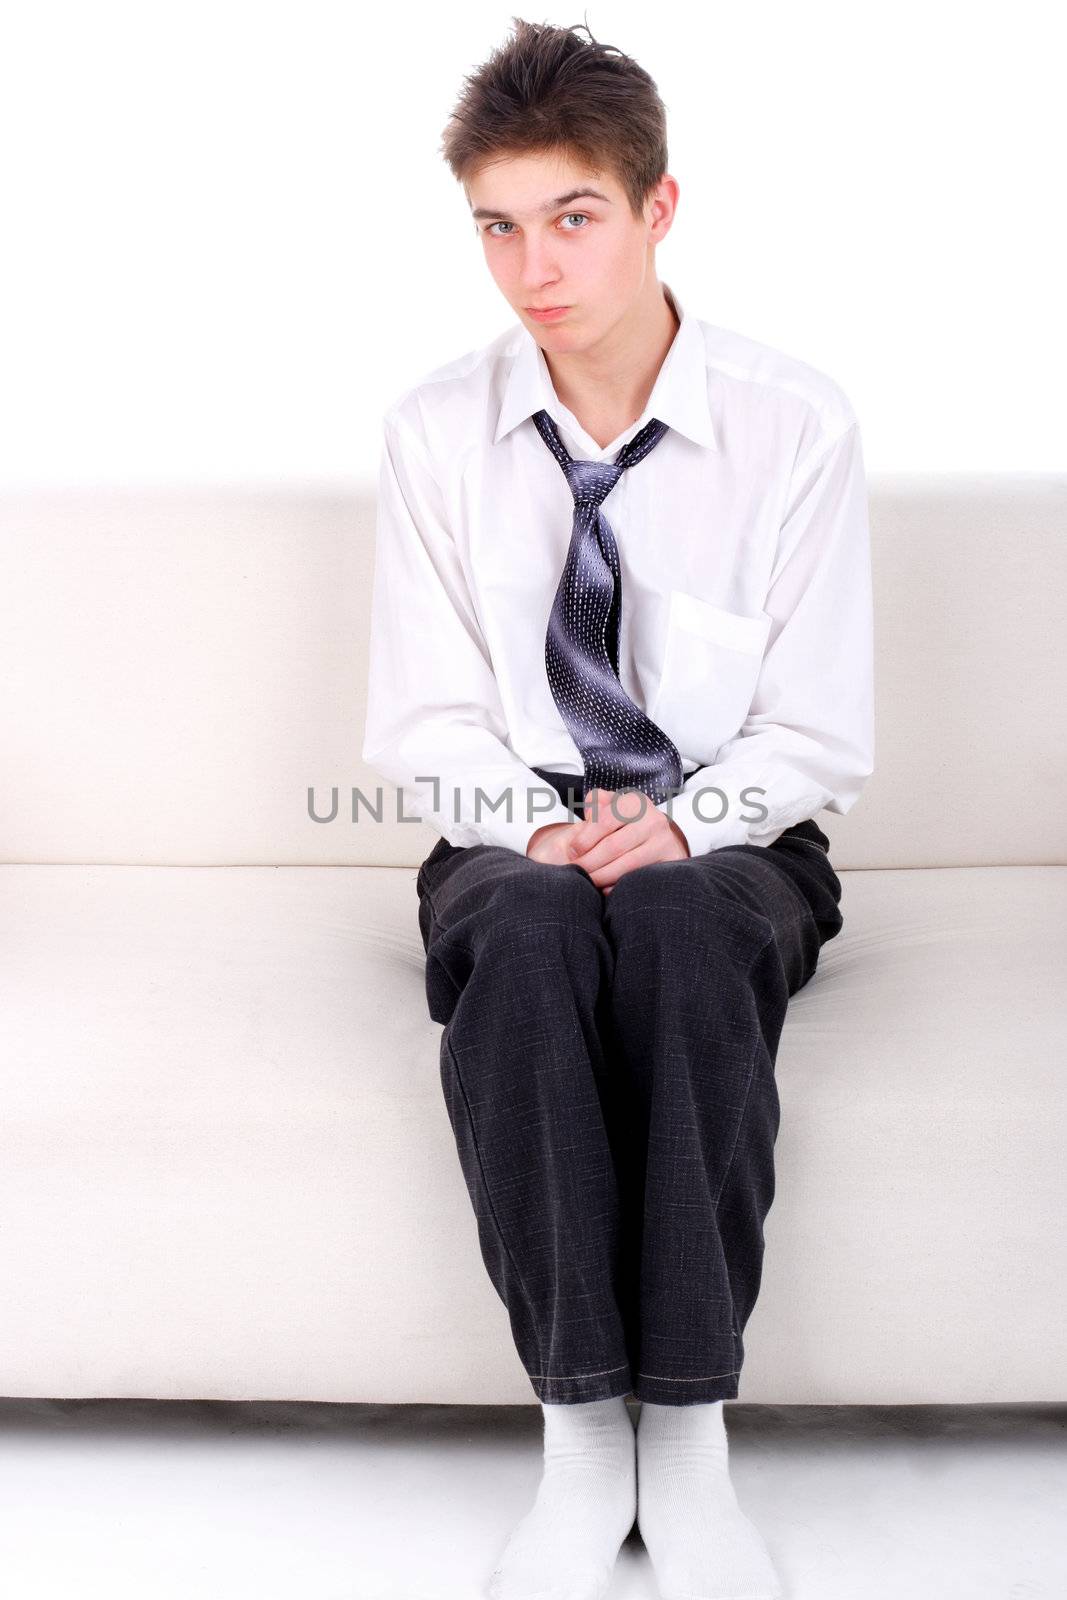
point(555, 234)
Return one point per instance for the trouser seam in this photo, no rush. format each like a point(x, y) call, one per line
point(735, 1333)
point(751, 1077)
point(574, 1377)
point(814, 843)
point(485, 1186)
point(657, 1378)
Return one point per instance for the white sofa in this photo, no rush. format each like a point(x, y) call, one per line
point(226, 1168)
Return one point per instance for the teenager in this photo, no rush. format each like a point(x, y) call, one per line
point(621, 655)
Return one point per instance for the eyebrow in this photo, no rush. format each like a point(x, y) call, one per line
point(481, 213)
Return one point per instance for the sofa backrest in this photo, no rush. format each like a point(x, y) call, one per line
point(179, 668)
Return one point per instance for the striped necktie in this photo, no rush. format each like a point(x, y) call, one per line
point(621, 748)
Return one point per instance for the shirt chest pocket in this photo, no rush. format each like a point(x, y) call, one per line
point(711, 662)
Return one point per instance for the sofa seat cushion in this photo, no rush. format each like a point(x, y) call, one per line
point(226, 1168)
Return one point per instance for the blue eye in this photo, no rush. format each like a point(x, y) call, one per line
point(567, 214)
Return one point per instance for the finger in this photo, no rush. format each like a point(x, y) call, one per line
point(629, 861)
point(625, 838)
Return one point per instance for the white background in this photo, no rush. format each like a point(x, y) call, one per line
point(231, 239)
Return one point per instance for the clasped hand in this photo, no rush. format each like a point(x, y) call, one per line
point(607, 845)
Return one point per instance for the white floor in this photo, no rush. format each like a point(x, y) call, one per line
point(124, 1498)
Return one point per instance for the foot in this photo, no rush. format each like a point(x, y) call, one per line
point(565, 1547)
point(700, 1543)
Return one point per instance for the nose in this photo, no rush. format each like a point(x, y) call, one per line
point(540, 280)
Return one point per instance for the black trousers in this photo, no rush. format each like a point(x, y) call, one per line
point(608, 1069)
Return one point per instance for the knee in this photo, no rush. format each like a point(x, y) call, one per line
point(656, 893)
point(684, 902)
point(537, 894)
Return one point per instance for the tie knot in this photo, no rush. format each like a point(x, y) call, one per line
point(592, 481)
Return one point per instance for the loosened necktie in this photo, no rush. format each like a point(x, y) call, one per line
point(621, 748)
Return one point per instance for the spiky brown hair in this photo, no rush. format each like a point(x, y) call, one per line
point(545, 91)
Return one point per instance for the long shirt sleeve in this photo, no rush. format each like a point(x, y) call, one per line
point(435, 726)
point(808, 739)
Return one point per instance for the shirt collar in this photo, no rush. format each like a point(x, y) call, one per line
point(679, 396)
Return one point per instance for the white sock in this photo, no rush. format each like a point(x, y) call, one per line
point(565, 1547)
point(700, 1543)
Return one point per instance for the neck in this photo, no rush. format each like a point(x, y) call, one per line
point(610, 383)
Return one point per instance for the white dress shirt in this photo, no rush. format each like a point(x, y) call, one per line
point(746, 591)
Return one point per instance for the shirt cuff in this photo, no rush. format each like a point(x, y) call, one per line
point(703, 836)
point(530, 809)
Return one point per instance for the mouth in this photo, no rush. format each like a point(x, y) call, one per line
point(546, 312)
